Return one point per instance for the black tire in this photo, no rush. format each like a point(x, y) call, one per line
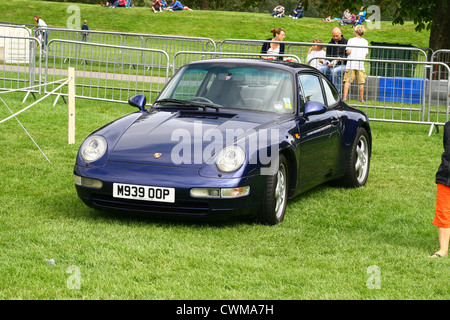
point(359, 162)
point(276, 195)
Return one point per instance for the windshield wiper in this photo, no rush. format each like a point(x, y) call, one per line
point(189, 103)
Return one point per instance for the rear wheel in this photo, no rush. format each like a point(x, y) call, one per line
point(276, 195)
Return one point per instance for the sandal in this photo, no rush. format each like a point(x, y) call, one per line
point(435, 255)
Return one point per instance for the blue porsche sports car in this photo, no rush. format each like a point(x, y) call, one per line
point(226, 137)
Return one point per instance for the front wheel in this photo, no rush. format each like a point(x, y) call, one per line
point(359, 162)
point(276, 195)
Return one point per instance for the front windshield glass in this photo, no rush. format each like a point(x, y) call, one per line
point(232, 86)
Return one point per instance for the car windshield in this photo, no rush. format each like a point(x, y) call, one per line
point(231, 86)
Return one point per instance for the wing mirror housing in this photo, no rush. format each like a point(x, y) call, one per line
point(138, 101)
point(314, 107)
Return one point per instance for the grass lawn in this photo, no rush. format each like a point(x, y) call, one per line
point(322, 250)
point(327, 248)
point(217, 25)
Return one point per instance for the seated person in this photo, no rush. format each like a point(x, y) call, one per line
point(316, 51)
point(163, 4)
point(361, 16)
point(278, 12)
point(119, 3)
point(156, 6)
point(346, 18)
point(176, 6)
point(298, 11)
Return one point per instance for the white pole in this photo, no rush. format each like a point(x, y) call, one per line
point(71, 106)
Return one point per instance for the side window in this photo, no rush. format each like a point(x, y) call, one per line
point(312, 89)
point(331, 93)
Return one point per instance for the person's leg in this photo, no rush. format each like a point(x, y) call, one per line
point(361, 92)
point(326, 70)
point(444, 238)
point(442, 219)
point(337, 76)
point(346, 89)
point(362, 81)
point(322, 69)
point(348, 79)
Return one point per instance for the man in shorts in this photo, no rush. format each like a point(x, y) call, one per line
point(357, 48)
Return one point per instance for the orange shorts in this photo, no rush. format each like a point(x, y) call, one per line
point(442, 217)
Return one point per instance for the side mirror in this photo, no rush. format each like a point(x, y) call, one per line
point(138, 101)
point(313, 107)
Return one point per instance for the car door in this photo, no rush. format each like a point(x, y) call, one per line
point(319, 133)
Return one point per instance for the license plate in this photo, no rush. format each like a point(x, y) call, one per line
point(146, 193)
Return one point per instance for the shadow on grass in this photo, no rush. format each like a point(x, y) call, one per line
point(80, 211)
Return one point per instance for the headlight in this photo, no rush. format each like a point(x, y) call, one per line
point(230, 159)
point(93, 148)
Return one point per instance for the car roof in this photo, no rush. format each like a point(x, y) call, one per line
point(286, 65)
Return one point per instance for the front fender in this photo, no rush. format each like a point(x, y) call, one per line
point(112, 132)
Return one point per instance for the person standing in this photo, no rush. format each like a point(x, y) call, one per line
point(273, 47)
point(357, 48)
point(85, 28)
point(442, 212)
point(336, 68)
point(43, 30)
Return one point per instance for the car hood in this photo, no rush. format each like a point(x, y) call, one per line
point(183, 138)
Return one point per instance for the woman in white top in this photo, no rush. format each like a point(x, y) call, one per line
point(41, 24)
point(273, 47)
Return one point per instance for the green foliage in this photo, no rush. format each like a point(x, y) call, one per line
point(419, 11)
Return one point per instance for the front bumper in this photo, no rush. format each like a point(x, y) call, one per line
point(182, 179)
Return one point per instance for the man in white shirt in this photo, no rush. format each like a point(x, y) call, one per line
point(357, 48)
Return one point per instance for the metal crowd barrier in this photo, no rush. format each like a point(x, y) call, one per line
point(442, 55)
point(112, 66)
point(183, 57)
point(170, 44)
point(300, 49)
point(402, 98)
point(20, 63)
point(107, 72)
point(12, 30)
